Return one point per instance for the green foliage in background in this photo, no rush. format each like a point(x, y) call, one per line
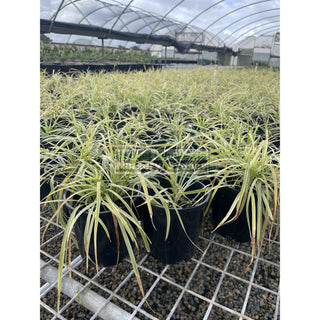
point(59, 52)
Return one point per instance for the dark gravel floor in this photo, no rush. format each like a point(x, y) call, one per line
point(219, 282)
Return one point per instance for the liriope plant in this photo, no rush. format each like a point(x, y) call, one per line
point(231, 121)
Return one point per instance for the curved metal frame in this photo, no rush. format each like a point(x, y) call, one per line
point(245, 18)
point(85, 17)
point(166, 26)
point(269, 33)
point(243, 34)
point(270, 17)
point(55, 15)
point(120, 15)
point(157, 23)
point(138, 16)
point(232, 11)
point(274, 28)
point(163, 17)
point(199, 14)
point(110, 7)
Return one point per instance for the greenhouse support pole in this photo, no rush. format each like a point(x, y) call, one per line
point(165, 56)
point(102, 44)
point(232, 61)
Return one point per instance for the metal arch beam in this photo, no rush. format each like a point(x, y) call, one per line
point(258, 32)
point(232, 11)
point(274, 28)
point(170, 23)
point(269, 33)
point(146, 25)
point(120, 15)
point(105, 5)
point(171, 20)
point(163, 27)
point(242, 19)
point(99, 32)
point(97, 9)
point(119, 18)
point(237, 9)
point(145, 15)
point(163, 17)
point(138, 17)
point(83, 15)
point(199, 14)
point(149, 15)
point(177, 24)
point(67, 4)
point(106, 21)
point(213, 37)
point(243, 34)
point(249, 15)
point(258, 20)
point(53, 19)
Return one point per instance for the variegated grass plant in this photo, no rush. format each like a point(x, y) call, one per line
point(225, 126)
point(97, 173)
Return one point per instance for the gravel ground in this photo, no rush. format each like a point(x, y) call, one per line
point(220, 314)
point(209, 281)
point(162, 299)
point(232, 293)
point(205, 281)
point(241, 266)
point(190, 308)
point(267, 275)
point(261, 304)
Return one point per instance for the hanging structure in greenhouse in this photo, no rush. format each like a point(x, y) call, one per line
point(216, 29)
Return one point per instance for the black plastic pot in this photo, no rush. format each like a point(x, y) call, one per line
point(177, 247)
point(118, 124)
point(149, 136)
point(150, 155)
point(107, 251)
point(45, 187)
point(221, 203)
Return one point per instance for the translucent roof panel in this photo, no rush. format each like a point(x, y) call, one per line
point(216, 23)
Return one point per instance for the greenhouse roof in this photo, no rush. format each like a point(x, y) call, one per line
point(185, 24)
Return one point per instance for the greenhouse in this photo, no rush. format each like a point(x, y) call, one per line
point(159, 159)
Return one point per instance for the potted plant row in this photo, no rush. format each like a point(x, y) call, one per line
point(97, 199)
point(155, 175)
